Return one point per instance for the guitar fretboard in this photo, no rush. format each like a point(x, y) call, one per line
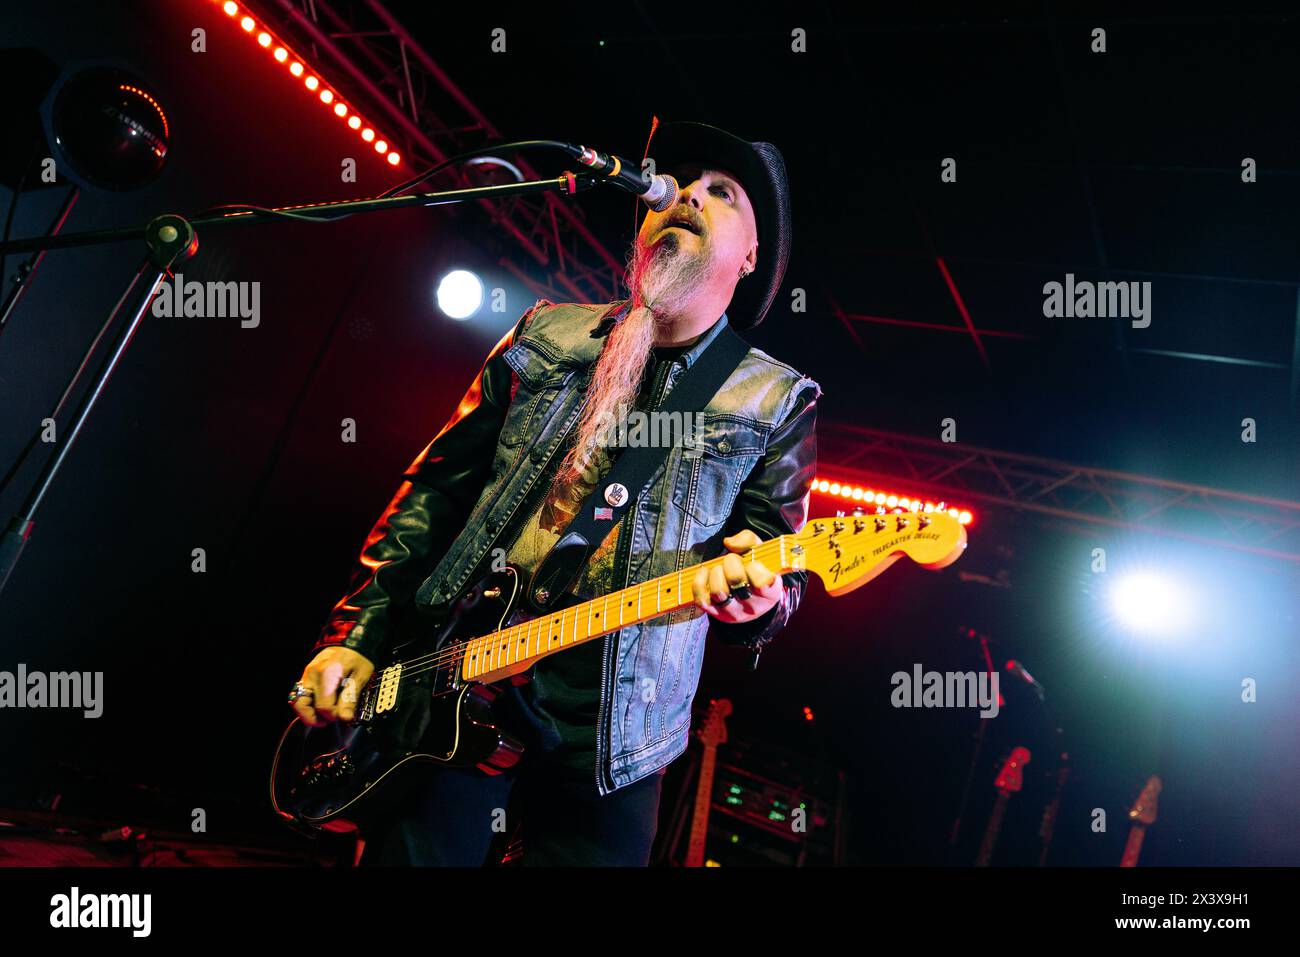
point(1133, 846)
point(703, 798)
point(994, 828)
point(492, 656)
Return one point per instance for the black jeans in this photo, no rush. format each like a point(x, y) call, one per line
point(450, 817)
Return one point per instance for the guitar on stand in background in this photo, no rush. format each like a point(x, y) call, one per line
point(1143, 815)
point(1009, 781)
point(711, 735)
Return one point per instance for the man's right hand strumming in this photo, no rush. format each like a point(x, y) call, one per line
point(334, 679)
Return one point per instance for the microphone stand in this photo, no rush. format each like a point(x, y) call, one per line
point(955, 831)
point(170, 240)
point(1047, 826)
point(23, 276)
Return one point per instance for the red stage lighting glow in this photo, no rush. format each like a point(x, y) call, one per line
point(909, 503)
point(167, 130)
point(283, 54)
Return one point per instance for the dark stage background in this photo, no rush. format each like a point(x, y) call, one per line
point(216, 437)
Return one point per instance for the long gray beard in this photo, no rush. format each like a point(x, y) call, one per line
point(661, 280)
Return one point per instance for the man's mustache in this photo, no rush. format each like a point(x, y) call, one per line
point(684, 216)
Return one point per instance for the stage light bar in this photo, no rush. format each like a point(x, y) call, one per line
point(283, 54)
point(852, 492)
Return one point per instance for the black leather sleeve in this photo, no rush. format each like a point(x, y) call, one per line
point(774, 501)
point(429, 509)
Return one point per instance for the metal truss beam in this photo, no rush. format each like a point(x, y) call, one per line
point(375, 56)
point(1247, 523)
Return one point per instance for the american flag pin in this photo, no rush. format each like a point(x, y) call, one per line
point(604, 513)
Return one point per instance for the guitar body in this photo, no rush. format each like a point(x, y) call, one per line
point(333, 776)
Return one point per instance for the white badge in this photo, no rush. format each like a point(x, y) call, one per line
point(616, 494)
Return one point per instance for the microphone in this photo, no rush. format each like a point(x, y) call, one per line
point(659, 192)
point(1016, 668)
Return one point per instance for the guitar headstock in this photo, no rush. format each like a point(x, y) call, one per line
point(847, 552)
point(1143, 810)
point(714, 730)
point(1012, 777)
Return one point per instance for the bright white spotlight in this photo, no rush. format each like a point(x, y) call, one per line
point(1150, 603)
point(460, 294)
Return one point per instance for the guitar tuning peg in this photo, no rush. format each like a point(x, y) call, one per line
point(839, 513)
point(858, 512)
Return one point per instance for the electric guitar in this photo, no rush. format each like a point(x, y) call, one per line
point(712, 734)
point(1009, 781)
point(434, 702)
point(1143, 815)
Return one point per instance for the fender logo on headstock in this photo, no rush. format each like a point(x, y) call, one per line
point(836, 569)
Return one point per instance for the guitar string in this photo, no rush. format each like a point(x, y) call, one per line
point(450, 657)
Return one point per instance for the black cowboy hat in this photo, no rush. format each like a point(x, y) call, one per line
point(761, 171)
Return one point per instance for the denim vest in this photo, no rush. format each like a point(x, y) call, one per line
point(675, 522)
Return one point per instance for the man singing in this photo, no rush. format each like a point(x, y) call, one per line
point(523, 451)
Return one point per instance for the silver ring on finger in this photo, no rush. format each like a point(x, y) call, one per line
point(300, 690)
point(720, 602)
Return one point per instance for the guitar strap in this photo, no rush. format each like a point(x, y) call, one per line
point(617, 491)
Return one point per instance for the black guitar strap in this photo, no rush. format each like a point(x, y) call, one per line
point(616, 492)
